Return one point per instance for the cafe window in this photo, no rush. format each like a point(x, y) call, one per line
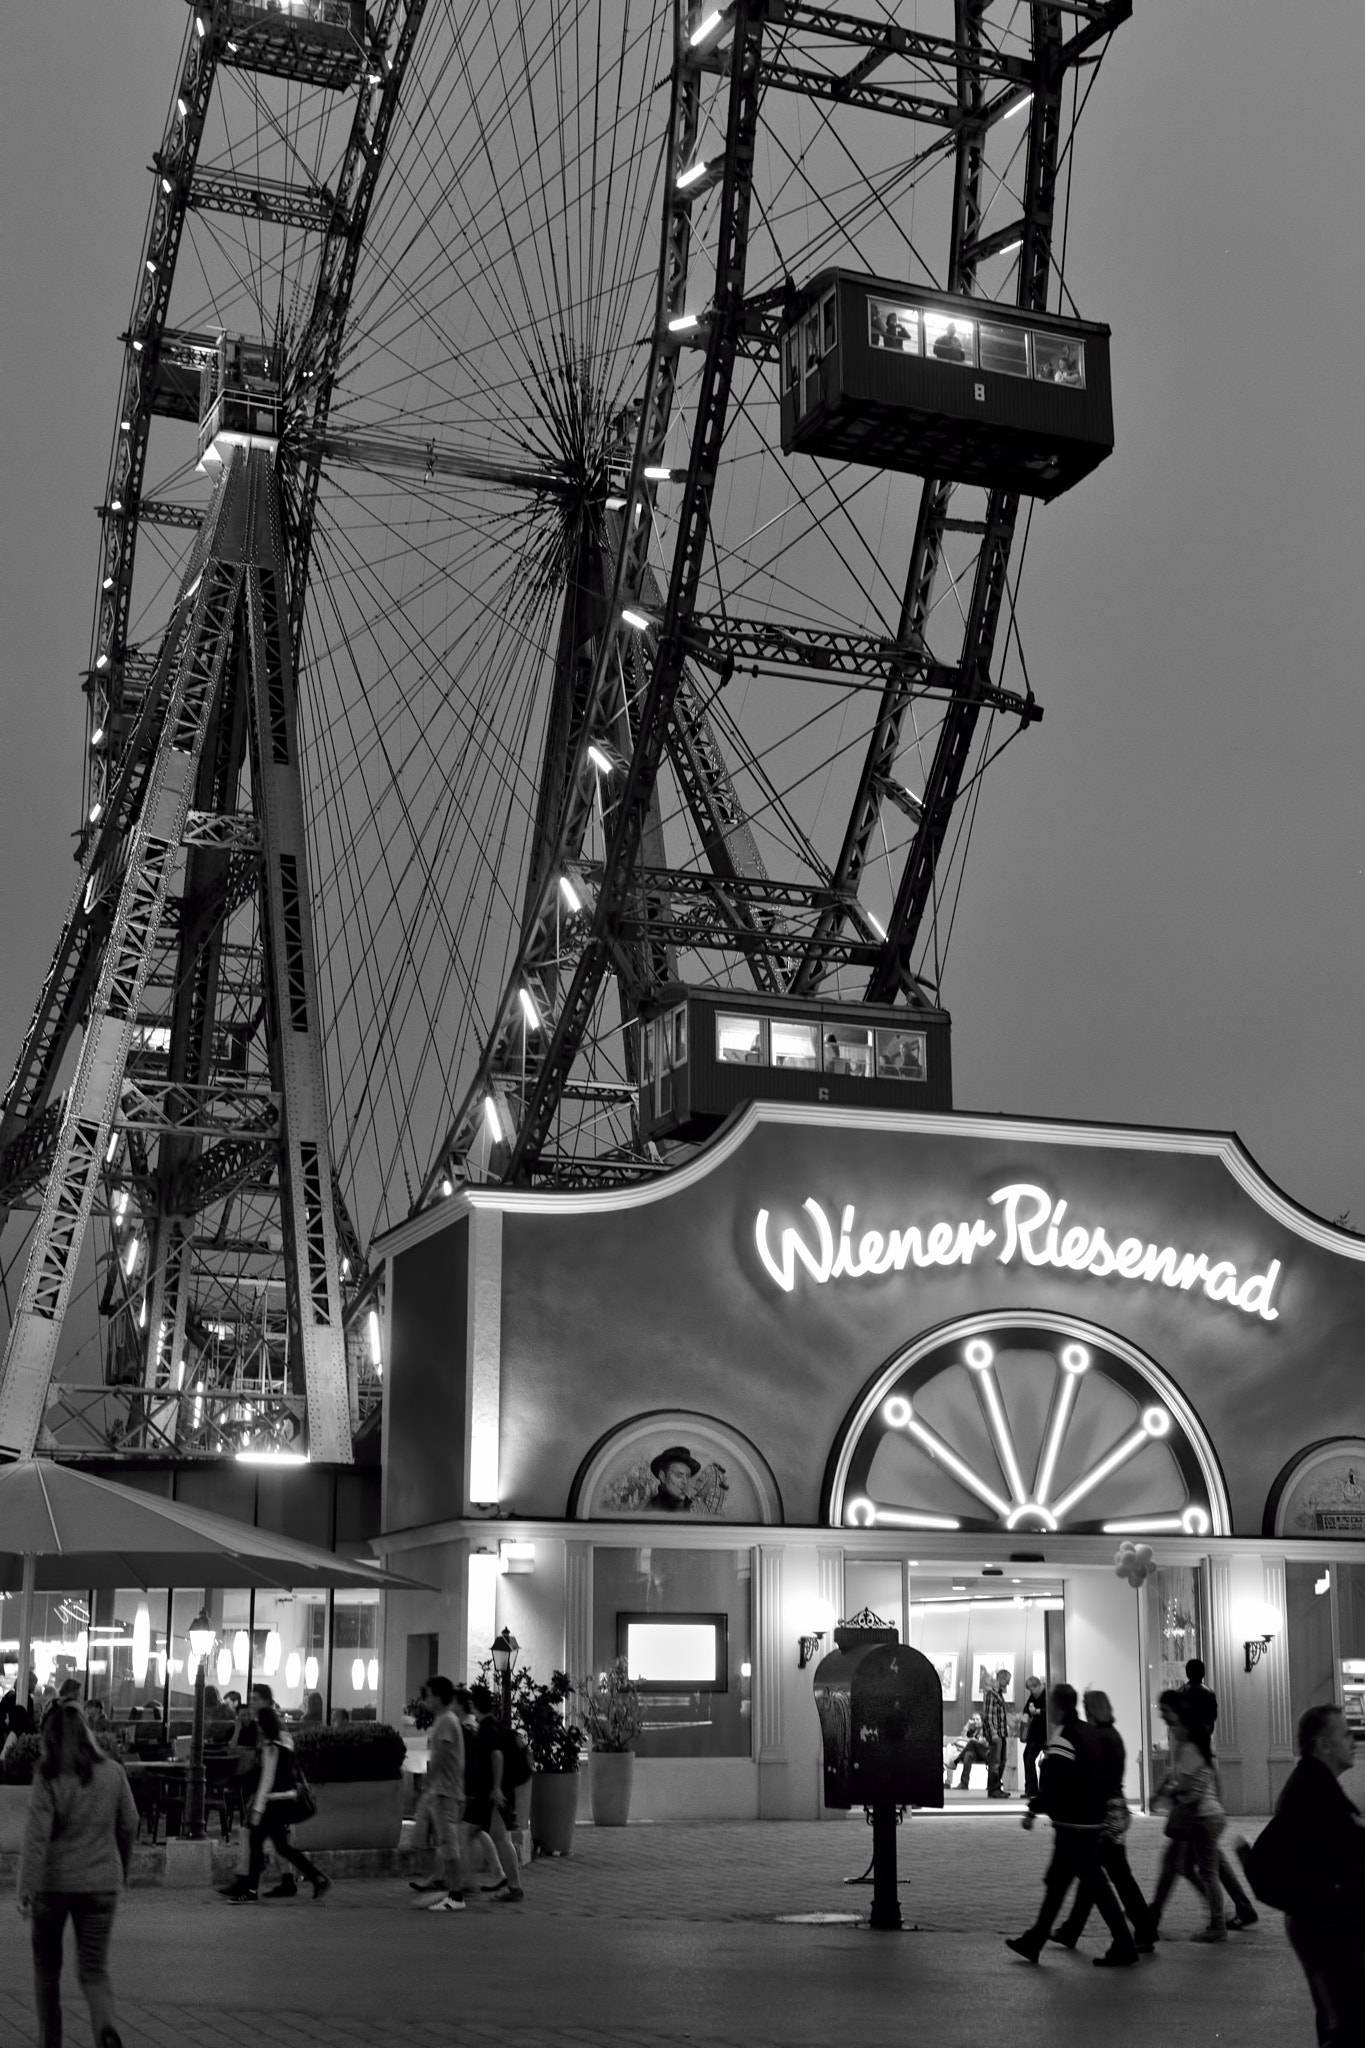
point(848, 1051)
point(739, 1040)
point(794, 1045)
point(948, 338)
point(1004, 349)
point(901, 1056)
point(893, 326)
point(1175, 1633)
point(683, 1619)
point(829, 322)
point(1057, 360)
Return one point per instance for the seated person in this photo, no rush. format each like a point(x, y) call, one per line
point(341, 1717)
point(973, 1748)
point(948, 348)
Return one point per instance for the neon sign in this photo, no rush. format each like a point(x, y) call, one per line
point(1033, 1230)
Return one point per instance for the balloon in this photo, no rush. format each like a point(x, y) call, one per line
point(1143, 1551)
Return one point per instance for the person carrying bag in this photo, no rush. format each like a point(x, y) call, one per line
point(281, 1797)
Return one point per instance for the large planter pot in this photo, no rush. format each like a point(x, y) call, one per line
point(13, 1816)
point(365, 1816)
point(554, 1808)
point(610, 1778)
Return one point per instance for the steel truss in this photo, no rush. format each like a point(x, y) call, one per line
point(642, 914)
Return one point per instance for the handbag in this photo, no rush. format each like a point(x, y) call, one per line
point(1117, 1819)
point(305, 1805)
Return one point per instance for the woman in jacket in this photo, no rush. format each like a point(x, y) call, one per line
point(81, 1826)
point(273, 1806)
point(1033, 1731)
point(1190, 1789)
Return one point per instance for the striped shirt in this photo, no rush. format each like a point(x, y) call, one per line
point(993, 1715)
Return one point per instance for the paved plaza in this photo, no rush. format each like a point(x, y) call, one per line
point(671, 1934)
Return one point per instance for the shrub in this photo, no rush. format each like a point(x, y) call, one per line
point(366, 1753)
point(539, 1716)
point(20, 1762)
point(610, 1707)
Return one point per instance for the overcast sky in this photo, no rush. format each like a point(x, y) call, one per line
point(1162, 918)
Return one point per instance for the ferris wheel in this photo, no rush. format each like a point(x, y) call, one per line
point(469, 659)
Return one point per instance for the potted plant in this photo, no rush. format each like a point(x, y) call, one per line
point(357, 1777)
point(610, 1707)
point(554, 1745)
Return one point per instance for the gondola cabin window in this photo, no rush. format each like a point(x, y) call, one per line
point(739, 1039)
point(794, 1044)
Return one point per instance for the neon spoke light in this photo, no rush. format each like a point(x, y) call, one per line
point(1033, 1507)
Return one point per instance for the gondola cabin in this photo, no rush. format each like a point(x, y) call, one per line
point(239, 398)
point(876, 372)
point(704, 1052)
point(316, 42)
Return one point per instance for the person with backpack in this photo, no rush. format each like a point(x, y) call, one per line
point(280, 1797)
point(1309, 1861)
point(78, 1841)
point(487, 1793)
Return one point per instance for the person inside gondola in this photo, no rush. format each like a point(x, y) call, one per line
point(948, 348)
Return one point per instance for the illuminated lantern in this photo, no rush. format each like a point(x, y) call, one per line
point(358, 1674)
point(142, 1642)
point(374, 1674)
point(310, 1673)
point(272, 1653)
point(240, 1649)
point(224, 1666)
point(293, 1669)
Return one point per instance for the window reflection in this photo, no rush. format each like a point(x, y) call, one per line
point(949, 338)
point(1057, 361)
point(795, 1045)
point(893, 326)
point(848, 1051)
point(739, 1039)
point(901, 1056)
point(1004, 349)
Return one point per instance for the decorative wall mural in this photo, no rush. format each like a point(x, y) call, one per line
point(1028, 1424)
point(1321, 1492)
point(673, 1463)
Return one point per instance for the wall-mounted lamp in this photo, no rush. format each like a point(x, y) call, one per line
point(1262, 1625)
point(820, 1623)
point(516, 1557)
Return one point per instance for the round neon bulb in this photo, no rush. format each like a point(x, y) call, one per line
point(979, 1355)
point(1195, 1521)
point(861, 1513)
point(1156, 1421)
point(1075, 1358)
point(897, 1411)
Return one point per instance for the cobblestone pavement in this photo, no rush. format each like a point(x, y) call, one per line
point(670, 1935)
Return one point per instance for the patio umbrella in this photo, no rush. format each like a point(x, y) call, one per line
point(62, 1528)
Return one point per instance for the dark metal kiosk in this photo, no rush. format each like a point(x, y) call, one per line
point(887, 374)
point(880, 1705)
point(704, 1052)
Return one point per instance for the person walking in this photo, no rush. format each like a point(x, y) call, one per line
point(1112, 1852)
point(273, 1807)
point(1033, 1731)
point(996, 1723)
point(1071, 1792)
point(77, 1844)
point(485, 1765)
point(1199, 1703)
point(1310, 1862)
point(1190, 1789)
point(440, 1809)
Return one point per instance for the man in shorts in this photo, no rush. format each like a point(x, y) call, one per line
point(484, 1810)
point(441, 1806)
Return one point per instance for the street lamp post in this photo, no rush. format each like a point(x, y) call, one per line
point(201, 1635)
point(505, 1647)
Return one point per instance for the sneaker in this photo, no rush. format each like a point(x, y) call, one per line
point(1065, 1940)
point(1216, 1932)
point(244, 1897)
point(285, 1889)
point(321, 1883)
point(1116, 1959)
point(449, 1904)
point(427, 1884)
point(500, 1886)
point(1025, 1946)
point(507, 1898)
point(111, 2038)
point(1244, 1917)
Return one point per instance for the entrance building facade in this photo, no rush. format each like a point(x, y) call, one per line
point(939, 1366)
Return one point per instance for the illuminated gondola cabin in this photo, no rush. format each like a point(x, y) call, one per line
point(880, 373)
point(704, 1052)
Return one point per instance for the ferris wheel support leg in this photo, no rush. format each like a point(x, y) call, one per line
point(308, 1217)
point(199, 636)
